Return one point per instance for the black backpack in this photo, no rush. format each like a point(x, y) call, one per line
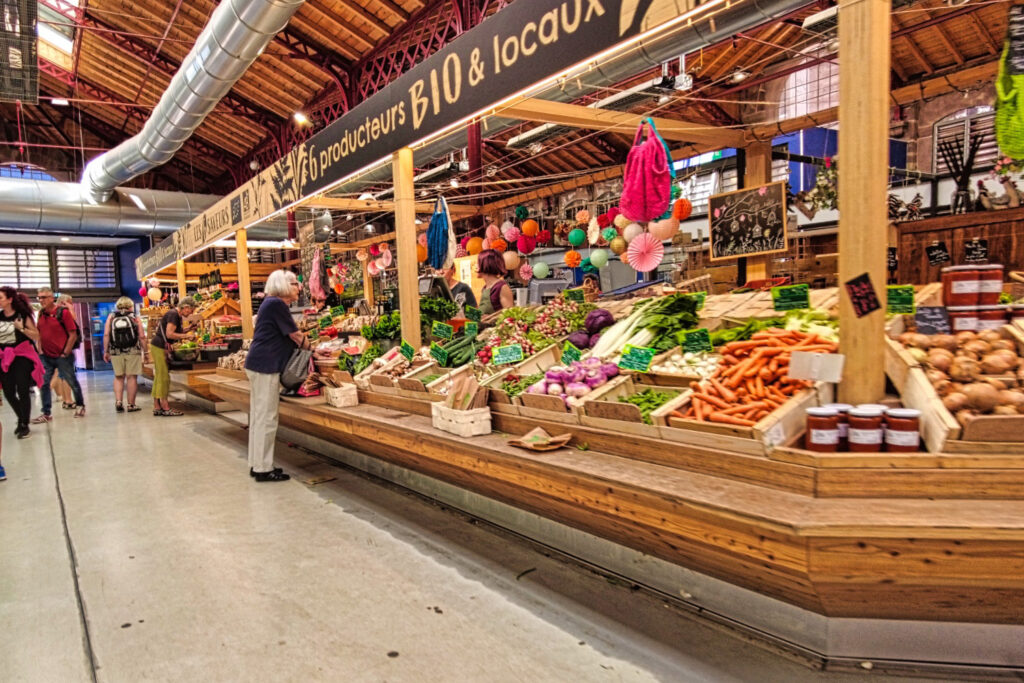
point(60, 318)
point(124, 333)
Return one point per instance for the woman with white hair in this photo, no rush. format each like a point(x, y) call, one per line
point(123, 338)
point(274, 339)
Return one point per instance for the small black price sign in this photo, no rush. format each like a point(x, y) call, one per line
point(697, 340)
point(899, 300)
point(438, 354)
point(932, 320)
point(407, 350)
point(472, 329)
point(892, 260)
point(937, 254)
point(473, 313)
point(570, 353)
point(791, 297)
point(862, 295)
point(976, 251)
point(574, 295)
point(442, 330)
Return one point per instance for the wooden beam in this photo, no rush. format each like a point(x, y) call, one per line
point(864, 56)
point(573, 115)
point(759, 172)
point(983, 33)
point(370, 18)
point(368, 294)
point(405, 226)
point(179, 272)
point(914, 48)
point(375, 206)
point(244, 283)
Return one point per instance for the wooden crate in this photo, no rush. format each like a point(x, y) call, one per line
point(602, 408)
point(439, 386)
point(538, 362)
point(720, 305)
point(411, 385)
point(661, 379)
point(475, 422)
point(776, 429)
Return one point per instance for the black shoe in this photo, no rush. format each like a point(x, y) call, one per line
point(119, 407)
point(252, 473)
point(22, 431)
point(271, 476)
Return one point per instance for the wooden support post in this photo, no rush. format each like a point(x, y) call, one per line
point(244, 283)
point(405, 242)
point(371, 300)
point(864, 53)
point(758, 172)
point(180, 274)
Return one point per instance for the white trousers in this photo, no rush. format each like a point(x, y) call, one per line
point(264, 397)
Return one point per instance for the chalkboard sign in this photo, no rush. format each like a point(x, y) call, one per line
point(513, 353)
point(696, 341)
point(862, 295)
point(442, 330)
point(748, 222)
point(937, 254)
point(473, 313)
point(791, 297)
point(892, 261)
point(407, 350)
point(637, 358)
point(570, 353)
point(932, 320)
point(439, 354)
point(1015, 33)
point(976, 251)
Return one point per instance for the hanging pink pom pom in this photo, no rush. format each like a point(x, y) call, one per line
point(526, 272)
point(511, 234)
point(525, 244)
point(374, 250)
point(422, 239)
point(460, 252)
point(492, 232)
point(464, 242)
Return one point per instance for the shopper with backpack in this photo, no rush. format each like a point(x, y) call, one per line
point(59, 336)
point(123, 338)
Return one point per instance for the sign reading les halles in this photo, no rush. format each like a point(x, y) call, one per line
point(508, 52)
point(748, 222)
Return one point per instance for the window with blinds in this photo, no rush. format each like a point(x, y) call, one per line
point(85, 269)
point(25, 268)
point(958, 129)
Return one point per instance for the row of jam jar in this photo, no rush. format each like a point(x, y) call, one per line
point(978, 318)
point(964, 286)
point(866, 428)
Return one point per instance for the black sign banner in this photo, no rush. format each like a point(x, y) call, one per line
point(748, 222)
point(157, 258)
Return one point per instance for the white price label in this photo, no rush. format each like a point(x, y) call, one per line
point(817, 367)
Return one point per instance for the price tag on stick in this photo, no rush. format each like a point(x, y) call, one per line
point(472, 329)
point(701, 298)
point(407, 350)
point(503, 355)
point(637, 358)
point(442, 330)
point(791, 297)
point(933, 320)
point(900, 300)
point(473, 313)
point(696, 341)
point(438, 354)
point(570, 353)
point(574, 295)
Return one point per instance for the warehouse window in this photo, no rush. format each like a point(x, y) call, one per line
point(810, 90)
point(85, 269)
point(27, 171)
point(958, 129)
point(25, 268)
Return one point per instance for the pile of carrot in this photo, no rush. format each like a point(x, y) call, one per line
point(751, 381)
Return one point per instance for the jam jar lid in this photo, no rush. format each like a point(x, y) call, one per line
point(867, 411)
point(840, 407)
point(822, 411)
point(904, 413)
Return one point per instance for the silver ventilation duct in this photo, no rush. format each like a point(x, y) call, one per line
point(43, 206)
point(741, 16)
point(237, 33)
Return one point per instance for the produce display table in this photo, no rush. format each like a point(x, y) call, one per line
point(793, 526)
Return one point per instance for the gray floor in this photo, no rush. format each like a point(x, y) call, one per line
point(187, 570)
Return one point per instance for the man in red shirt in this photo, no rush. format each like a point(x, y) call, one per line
point(58, 333)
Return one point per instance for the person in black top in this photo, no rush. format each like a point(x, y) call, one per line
point(20, 367)
point(461, 292)
point(170, 330)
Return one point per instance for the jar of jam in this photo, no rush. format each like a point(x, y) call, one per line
point(992, 317)
point(960, 286)
point(822, 430)
point(866, 430)
point(903, 430)
point(843, 410)
point(963, 318)
point(990, 284)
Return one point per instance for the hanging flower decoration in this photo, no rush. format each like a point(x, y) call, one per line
point(544, 237)
point(682, 209)
point(499, 245)
point(522, 213)
point(492, 232)
point(645, 253)
point(374, 250)
point(421, 253)
point(577, 237)
point(573, 258)
point(608, 234)
point(621, 221)
point(385, 258)
point(613, 212)
point(530, 228)
point(525, 244)
point(461, 252)
point(361, 255)
point(593, 231)
point(525, 272)
point(475, 245)
point(582, 216)
point(603, 221)
point(339, 288)
point(512, 234)
point(464, 242)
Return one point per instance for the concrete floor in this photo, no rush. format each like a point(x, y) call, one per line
point(187, 570)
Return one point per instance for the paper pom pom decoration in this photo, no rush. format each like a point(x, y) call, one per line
point(645, 253)
point(339, 288)
point(475, 245)
point(573, 258)
point(613, 212)
point(421, 253)
point(543, 237)
point(621, 221)
point(372, 269)
point(530, 228)
point(583, 216)
point(361, 255)
point(153, 282)
point(682, 209)
point(608, 234)
point(379, 262)
point(632, 231)
point(593, 231)
point(486, 244)
point(154, 293)
point(525, 244)
point(618, 245)
point(599, 258)
point(526, 272)
point(385, 258)
point(422, 239)
point(492, 232)
point(511, 235)
point(499, 245)
point(541, 270)
point(664, 229)
point(577, 237)
point(603, 221)
point(142, 291)
point(522, 213)
point(511, 259)
point(460, 252)
point(374, 250)
point(463, 242)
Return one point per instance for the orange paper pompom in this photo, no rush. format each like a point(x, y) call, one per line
point(682, 209)
point(475, 245)
point(421, 253)
point(573, 258)
point(499, 245)
point(530, 228)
